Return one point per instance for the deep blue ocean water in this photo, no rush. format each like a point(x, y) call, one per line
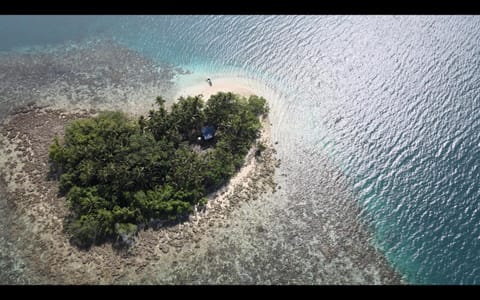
point(393, 100)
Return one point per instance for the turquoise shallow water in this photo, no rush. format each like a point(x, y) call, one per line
point(393, 100)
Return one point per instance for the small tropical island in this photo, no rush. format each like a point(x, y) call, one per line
point(120, 173)
point(109, 191)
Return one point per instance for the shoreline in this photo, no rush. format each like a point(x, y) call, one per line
point(224, 84)
point(25, 137)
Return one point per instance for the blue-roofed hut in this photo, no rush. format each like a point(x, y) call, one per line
point(208, 132)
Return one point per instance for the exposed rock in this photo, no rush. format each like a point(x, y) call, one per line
point(260, 228)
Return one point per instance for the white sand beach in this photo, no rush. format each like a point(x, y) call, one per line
point(199, 86)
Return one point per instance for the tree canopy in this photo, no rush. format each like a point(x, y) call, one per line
point(118, 172)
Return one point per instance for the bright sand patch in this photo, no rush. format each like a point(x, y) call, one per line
point(199, 85)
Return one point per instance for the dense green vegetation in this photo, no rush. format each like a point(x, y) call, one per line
point(118, 172)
